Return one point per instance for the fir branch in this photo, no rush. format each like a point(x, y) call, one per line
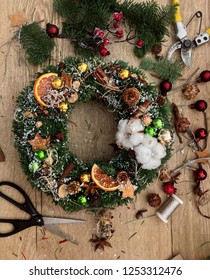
point(166, 69)
point(36, 42)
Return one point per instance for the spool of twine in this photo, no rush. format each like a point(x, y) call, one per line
point(169, 207)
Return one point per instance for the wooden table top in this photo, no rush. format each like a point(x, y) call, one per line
point(187, 232)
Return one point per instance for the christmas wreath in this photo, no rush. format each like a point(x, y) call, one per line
point(143, 136)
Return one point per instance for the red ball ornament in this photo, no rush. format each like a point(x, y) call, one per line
point(200, 174)
point(104, 52)
point(52, 30)
point(165, 86)
point(204, 76)
point(118, 16)
point(199, 105)
point(119, 33)
point(139, 43)
point(201, 133)
point(169, 188)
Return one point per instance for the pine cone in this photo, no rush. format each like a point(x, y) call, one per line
point(122, 177)
point(131, 96)
point(156, 49)
point(73, 187)
point(182, 124)
point(154, 199)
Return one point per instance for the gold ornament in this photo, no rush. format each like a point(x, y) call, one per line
point(57, 83)
point(85, 177)
point(124, 74)
point(83, 67)
point(63, 107)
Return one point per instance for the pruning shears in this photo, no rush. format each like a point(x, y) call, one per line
point(184, 44)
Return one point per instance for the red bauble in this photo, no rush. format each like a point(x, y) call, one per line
point(139, 43)
point(200, 105)
point(200, 174)
point(104, 52)
point(204, 76)
point(165, 86)
point(119, 33)
point(118, 16)
point(201, 133)
point(169, 188)
point(52, 30)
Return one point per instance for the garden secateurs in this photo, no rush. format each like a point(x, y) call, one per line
point(184, 44)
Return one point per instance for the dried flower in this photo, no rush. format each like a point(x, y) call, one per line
point(191, 91)
point(182, 124)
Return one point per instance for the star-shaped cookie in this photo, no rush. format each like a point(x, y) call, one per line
point(39, 143)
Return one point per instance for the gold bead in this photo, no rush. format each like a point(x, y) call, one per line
point(124, 74)
point(85, 178)
point(57, 83)
point(83, 67)
point(63, 107)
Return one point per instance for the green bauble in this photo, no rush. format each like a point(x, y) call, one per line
point(157, 123)
point(40, 155)
point(150, 130)
point(82, 200)
point(34, 166)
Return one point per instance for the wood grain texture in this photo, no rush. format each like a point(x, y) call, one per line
point(186, 231)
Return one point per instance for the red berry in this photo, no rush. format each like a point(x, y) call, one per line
point(169, 188)
point(201, 133)
point(139, 43)
point(104, 52)
point(95, 31)
point(119, 33)
point(116, 24)
point(200, 174)
point(101, 46)
point(118, 16)
point(204, 76)
point(100, 34)
point(200, 105)
point(52, 30)
point(165, 86)
point(106, 41)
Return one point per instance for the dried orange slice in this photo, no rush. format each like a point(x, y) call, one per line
point(42, 85)
point(102, 180)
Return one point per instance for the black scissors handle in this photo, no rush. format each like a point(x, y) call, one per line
point(27, 206)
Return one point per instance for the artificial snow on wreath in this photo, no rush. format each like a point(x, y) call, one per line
point(143, 136)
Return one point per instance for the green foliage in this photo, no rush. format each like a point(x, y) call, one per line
point(36, 42)
point(166, 69)
point(56, 122)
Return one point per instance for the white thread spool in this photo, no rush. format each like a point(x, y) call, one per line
point(168, 208)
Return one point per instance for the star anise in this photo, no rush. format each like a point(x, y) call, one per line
point(99, 242)
point(91, 189)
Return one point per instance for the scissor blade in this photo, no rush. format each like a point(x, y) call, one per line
point(173, 48)
point(51, 221)
point(186, 56)
point(58, 232)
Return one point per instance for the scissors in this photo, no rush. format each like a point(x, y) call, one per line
point(36, 219)
point(186, 45)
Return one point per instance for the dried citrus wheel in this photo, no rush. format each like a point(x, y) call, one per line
point(42, 86)
point(102, 180)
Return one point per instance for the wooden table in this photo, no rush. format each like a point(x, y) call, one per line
point(186, 230)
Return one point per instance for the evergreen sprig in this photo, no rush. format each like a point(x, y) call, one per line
point(167, 69)
point(37, 43)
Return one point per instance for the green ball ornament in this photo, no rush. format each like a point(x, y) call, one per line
point(157, 123)
point(34, 166)
point(40, 155)
point(150, 130)
point(82, 200)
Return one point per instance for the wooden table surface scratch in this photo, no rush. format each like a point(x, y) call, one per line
point(186, 230)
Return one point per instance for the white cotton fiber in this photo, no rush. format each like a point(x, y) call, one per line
point(150, 141)
point(143, 153)
point(136, 139)
point(151, 164)
point(158, 151)
point(122, 125)
point(134, 126)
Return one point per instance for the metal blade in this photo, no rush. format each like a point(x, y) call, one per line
point(58, 232)
point(51, 220)
point(186, 56)
point(173, 48)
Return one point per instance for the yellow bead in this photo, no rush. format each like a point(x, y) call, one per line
point(85, 178)
point(63, 107)
point(124, 74)
point(83, 67)
point(57, 83)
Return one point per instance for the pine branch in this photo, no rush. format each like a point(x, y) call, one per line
point(36, 42)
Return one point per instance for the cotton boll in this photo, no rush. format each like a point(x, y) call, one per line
point(151, 164)
point(150, 141)
point(136, 139)
point(122, 125)
point(134, 126)
point(158, 151)
point(143, 153)
point(123, 141)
